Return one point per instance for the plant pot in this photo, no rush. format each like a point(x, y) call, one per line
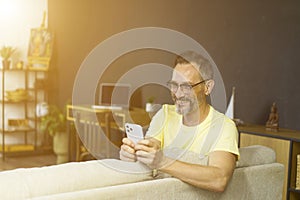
point(6, 64)
point(152, 107)
point(60, 147)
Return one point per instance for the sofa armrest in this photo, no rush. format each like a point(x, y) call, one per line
point(69, 177)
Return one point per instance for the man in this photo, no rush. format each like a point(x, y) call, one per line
point(191, 125)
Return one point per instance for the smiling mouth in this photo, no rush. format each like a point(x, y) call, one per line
point(182, 102)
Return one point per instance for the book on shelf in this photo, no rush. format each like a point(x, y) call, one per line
point(298, 173)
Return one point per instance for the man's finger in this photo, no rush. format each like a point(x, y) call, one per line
point(141, 153)
point(141, 147)
point(126, 155)
point(128, 142)
point(143, 160)
point(127, 148)
point(124, 158)
point(146, 142)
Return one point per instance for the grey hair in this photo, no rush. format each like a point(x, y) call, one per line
point(198, 61)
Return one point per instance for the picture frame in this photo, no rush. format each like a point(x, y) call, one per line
point(40, 49)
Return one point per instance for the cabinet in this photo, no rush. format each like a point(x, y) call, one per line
point(21, 90)
point(286, 144)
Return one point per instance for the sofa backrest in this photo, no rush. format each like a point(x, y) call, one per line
point(255, 155)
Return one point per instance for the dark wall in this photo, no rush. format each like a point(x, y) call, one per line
point(255, 44)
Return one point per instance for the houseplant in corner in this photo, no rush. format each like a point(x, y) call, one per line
point(6, 52)
point(54, 123)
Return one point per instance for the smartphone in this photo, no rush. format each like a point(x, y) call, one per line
point(134, 132)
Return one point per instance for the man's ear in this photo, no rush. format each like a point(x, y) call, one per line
point(209, 86)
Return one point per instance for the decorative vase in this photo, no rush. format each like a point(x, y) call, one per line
point(6, 64)
point(60, 147)
point(150, 107)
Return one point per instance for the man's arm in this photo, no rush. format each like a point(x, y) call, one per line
point(214, 177)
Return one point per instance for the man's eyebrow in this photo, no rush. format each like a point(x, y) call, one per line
point(187, 82)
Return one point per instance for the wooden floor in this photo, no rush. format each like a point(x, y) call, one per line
point(27, 161)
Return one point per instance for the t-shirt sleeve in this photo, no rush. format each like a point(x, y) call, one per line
point(228, 140)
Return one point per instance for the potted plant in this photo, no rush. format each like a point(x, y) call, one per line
point(54, 123)
point(6, 52)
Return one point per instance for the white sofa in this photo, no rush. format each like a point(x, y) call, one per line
point(257, 176)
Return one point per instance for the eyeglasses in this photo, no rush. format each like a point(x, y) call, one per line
point(186, 88)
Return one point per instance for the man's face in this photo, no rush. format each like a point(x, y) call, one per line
point(186, 97)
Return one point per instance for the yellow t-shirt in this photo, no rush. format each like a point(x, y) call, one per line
point(216, 133)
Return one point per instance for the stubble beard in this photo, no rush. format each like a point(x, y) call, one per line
point(186, 105)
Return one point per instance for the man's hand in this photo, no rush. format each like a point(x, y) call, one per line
point(127, 152)
point(148, 151)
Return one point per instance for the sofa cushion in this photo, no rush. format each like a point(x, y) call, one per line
point(255, 155)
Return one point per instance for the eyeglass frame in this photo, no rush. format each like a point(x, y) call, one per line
point(186, 83)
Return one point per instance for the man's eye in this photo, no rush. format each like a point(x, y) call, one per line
point(173, 85)
point(185, 86)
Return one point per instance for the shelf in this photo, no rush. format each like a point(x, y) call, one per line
point(17, 147)
point(34, 89)
point(33, 118)
point(16, 102)
point(294, 190)
point(17, 130)
point(23, 70)
point(13, 70)
point(260, 130)
point(25, 102)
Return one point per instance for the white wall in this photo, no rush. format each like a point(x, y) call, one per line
point(17, 17)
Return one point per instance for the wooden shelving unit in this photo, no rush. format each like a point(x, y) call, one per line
point(286, 144)
point(28, 113)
